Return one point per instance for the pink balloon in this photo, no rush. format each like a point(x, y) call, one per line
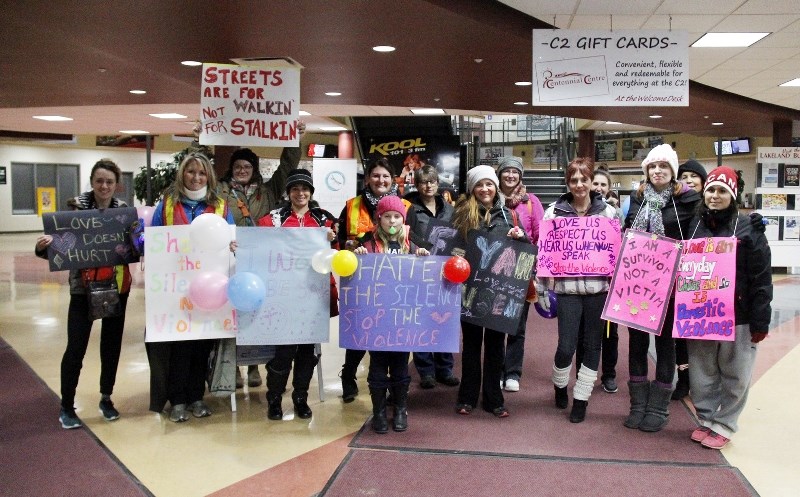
point(209, 290)
point(146, 213)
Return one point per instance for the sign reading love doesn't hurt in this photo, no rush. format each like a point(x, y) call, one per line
point(90, 238)
point(399, 303)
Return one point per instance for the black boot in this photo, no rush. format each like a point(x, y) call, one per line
point(349, 385)
point(379, 422)
point(682, 387)
point(400, 420)
point(562, 398)
point(300, 401)
point(578, 413)
point(657, 411)
point(276, 385)
point(640, 391)
point(274, 409)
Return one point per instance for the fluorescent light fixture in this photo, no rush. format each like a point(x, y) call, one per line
point(723, 40)
point(333, 93)
point(523, 83)
point(53, 118)
point(332, 128)
point(655, 116)
point(794, 82)
point(169, 115)
point(384, 48)
point(717, 124)
point(138, 92)
point(133, 132)
point(427, 112)
point(520, 103)
point(191, 63)
point(304, 113)
point(612, 122)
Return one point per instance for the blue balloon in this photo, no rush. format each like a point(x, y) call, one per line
point(553, 307)
point(246, 291)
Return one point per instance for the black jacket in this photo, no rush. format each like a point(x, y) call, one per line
point(685, 204)
point(422, 216)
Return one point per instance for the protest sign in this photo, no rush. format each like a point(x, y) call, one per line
point(399, 303)
point(250, 106)
point(445, 238)
point(171, 266)
point(704, 291)
point(578, 246)
point(642, 283)
point(297, 306)
point(495, 292)
point(90, 238)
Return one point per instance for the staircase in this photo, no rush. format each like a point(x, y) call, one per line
point(546, 184)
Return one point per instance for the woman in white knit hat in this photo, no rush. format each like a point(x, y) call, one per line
point(663, 206)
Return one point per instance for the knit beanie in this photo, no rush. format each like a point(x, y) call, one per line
point(725, 177)
point(391, 203)
point(693, 166)
point(245, 154)
point(509, 162)
point(478, 173)
point(662, 153)
point(299, 177)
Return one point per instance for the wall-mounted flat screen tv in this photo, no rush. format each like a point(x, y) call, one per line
point(732, 147)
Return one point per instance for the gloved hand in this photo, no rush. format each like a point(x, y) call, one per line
point(544, 301)
point(758, 222)
point(757, 336)
point(137, 236)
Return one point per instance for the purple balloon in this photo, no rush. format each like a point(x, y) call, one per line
point(550, 313)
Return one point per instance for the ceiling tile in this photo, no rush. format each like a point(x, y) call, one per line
point(599, 7)
point(692, 23)
point(673, 7)
point(772, 6)
point(605, 22)
point(765, 23)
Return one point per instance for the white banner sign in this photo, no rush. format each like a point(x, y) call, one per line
point(297, 306)
point(249, 106)
point(171, 267)
point(610, 68)
point(334, 182)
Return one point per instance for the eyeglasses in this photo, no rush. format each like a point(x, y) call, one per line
point(430, 182)
point(240, 167)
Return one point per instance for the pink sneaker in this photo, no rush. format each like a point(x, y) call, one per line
point(700, 434)
point(715, 441)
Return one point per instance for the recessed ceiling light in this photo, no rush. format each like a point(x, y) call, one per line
point(717, 124)
point(384, 48)
point(169, 115)
point(655, 116)
point(520, 103)
point(138, 92)
point(794, 82)
point(304, 113)
point(721, 40)
point(427, 112)
point(53, 118)
point(613, 122)
point(478, 61)
point(332, 128)
point(333, 93)
point(191, 63)
point(133, 132)
point(523, 83)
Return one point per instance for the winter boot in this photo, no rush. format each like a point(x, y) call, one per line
point(276, 385)
point(657, 411)
point(560, 379)
point(379, 422)
point(274, 409)
point(400, 420)
point(300, 401)
point(349, 385)
point(682, 387)
point(640, 392)
point(578, 413)
point(581, 393)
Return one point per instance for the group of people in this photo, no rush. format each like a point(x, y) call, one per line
point(677, 202)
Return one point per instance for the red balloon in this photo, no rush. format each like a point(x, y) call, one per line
point(456, 269)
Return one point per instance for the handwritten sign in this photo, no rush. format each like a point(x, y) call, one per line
point(445, 238)
point(171, 265)
point(399, 303)
point(642, 281)
point(90, 238)
point(495, 292)
point(610, 68)
point(250, 106)
point(578, 246)
point(704, 291)
point(297, 307)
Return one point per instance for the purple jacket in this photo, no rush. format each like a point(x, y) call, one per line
point(529, 214)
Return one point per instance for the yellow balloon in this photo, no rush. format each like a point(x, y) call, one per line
point(344, 263)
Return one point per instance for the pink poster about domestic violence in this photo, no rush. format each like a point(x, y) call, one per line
point(704, 291)
point(578, 246)
point(642, 281)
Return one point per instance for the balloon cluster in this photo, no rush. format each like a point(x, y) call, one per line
point(341, 262)
point(210, 290)
point(210, 233)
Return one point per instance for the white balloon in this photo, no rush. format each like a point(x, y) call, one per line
point(321, 260)
point(209, 233)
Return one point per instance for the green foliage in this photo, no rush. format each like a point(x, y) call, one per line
point(162, 174)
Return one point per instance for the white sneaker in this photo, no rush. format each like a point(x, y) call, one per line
point(512, 385)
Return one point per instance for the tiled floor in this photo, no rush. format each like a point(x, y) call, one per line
point(243, 453)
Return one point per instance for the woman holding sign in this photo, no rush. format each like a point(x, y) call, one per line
point(178, 369)
point(663, 206)
point(582, 297)
point(301, 213)
point(482, 208)
point(720, 371)
point(104, 178)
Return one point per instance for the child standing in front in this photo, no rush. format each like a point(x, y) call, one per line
point(389, 370)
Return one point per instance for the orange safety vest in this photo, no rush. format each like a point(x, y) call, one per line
point(173, 216)
point(359, 221)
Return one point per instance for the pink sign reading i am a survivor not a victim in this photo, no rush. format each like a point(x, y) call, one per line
point(642, 281)
point(704, 292)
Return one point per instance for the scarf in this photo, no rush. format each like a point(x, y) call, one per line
point(517, 196)
point(246, 190)
point(195, 195)
point(373, 200)
point(649, 217)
